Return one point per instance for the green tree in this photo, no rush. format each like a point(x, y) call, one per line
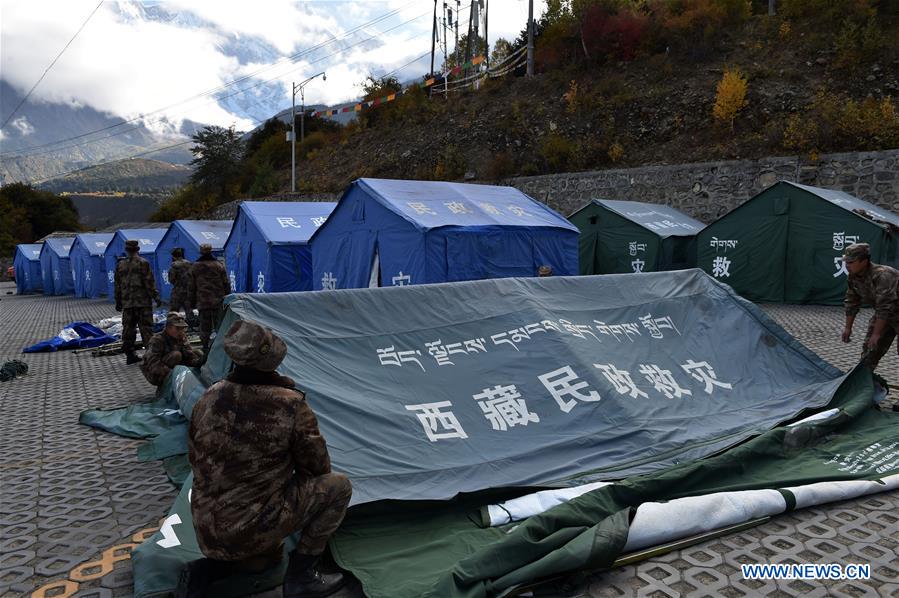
point(372, 89)
point(477, 48)
point(501, 49)
point(217, 156)
point(29, 214)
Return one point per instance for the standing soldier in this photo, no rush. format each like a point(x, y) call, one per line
point(179, 278)
point(874, 285)
point(135, 291)
point(209, 284)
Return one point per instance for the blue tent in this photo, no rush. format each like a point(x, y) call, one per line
point(148, 238)
point(389, 232)
point(189, 235)
point(88, 265)
point(55, 267)
point(268, 251)
point(28, 268)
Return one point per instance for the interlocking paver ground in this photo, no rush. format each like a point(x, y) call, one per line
point(68, 492)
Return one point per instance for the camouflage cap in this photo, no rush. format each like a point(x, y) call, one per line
point(250, 345)
point(132, 245)
point(175, 319)
point(857, 251)
point(205, 248)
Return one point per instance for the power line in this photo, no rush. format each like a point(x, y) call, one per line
point(217, 99)
point(47, 70)
point(287, 59)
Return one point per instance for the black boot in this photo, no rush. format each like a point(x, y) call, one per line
point(304, 580)
point(131, 357)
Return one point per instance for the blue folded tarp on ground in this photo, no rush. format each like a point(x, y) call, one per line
point(77, 335)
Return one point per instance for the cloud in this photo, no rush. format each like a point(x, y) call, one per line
point(22, 125)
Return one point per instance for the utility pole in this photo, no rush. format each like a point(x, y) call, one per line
point(486, 39)
point(293, 124)
point(530, 38)
point(456, 48)
point(772, 8)
point(433, 37)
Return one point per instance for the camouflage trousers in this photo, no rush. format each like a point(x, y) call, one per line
point(872, 357)
point(322, 503)
point(178, 302)
point(209, 323)
point(132, 318)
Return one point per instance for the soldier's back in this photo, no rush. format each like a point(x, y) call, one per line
point(209, 279)
point(132, 276)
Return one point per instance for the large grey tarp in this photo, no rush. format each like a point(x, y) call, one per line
point(425, 392)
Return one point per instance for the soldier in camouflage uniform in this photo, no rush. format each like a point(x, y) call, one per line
point(208, 285)
point(168, 349)
point(135, 291)
point(179, 278)
point(874, 285)
point(265, 474)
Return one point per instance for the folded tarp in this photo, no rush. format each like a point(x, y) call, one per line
point(77, 335)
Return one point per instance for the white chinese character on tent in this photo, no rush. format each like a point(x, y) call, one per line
point(840, 267)
point(260, 283)
point(99, 244)
point(145, 241)
point(210, 236)
point(637, 265)
point(457, 207)
point(841, 240)
point(289, 223)
point(633, 247)
point(318, 220)
point(621, 380)
point(559, 384)
point(421, 208)
point(721, 267)
point(233, 280)
point(504, 407)
point(663, 381)
point(401, 280)
point(703, 372)
point(437, 424)
point(165, 276)
point(56, 275)
point(490, 209)
point(87, 275)
point(518, 211)
point(329, 283)
point(109, 276)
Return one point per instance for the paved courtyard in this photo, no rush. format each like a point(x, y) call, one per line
point(74, 500)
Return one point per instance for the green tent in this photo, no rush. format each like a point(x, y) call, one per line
point(620, 237)
point(785, 244)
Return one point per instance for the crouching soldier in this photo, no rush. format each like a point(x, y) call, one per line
point(261, 472)
point(168, 349)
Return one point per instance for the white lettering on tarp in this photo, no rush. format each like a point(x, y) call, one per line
point(421, 208)
point(329, 283)
point(724, 244)
point(518, 211)
point(317, 221)
point(840, 267)
point(99, 244)
point(260, 282)
point(145, 241)
point(390, 356)
point(401, 280)
point(437, 424)
point(841, 240)
point(438, 352)
point(655, 325)
point(621, 380)
point(562, 383)
point(210, 236)
point(457, 207)
point(704, 373)
point(167, 529)
point(637, 266)
point(721, 267)
point(87, 275)
point(633, 247)
point(504, 408)
point(876, 457)
point(475, 345)
point(287, 222)
point(663, 381)
point(490, 209)
point(165, 277)
point(233, 278)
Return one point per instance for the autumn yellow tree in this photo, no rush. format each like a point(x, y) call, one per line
point(730, 97)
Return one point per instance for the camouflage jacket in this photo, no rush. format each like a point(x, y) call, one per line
point(134, 283)
point(209, 283)
point(253, 439)
point(154, 367)
point(877, 286)
point(179, 277)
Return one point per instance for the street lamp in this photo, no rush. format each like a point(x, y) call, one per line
point(293, 125)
